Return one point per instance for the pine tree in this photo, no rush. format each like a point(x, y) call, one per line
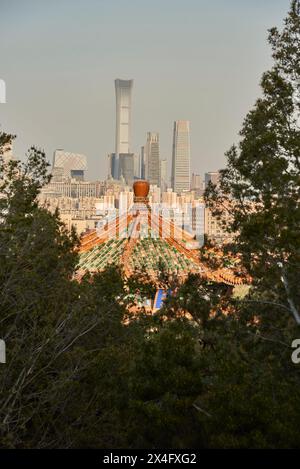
point(261, 183)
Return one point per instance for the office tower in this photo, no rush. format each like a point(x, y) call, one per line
point(113, 166)
point(118, 166)
point(197, 185)
point(152, 156)
point(2, 92)
point(181, 156)
point(196, 182)
point(7, 151)
point(198, 221)
point(123, 115)
point(154, 194)
point(57, 174)
point(163, 175)
point(110, 165)
point(143, 163)
point(212, 177)
point(72, 189)
point(69, 165)
point(126, 167)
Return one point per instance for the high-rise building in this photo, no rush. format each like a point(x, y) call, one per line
point(152, 157)
point(116, 165)
point(196, 182)
point(123, 115)
point(7, 151)
point(163, 175)
point(122, 163)
point(136, 166)
point(212, 177)
point(69, 165)
point(181, 156)
point(143, 163)
point(113, 166)
point(197, 185)
point(126, 167)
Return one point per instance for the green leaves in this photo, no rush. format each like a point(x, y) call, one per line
point(261, 181)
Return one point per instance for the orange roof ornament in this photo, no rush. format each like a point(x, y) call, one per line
point(141, 190)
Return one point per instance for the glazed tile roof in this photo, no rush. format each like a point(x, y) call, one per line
point(136, 242)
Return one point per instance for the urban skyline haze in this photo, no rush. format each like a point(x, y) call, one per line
point(196, 60)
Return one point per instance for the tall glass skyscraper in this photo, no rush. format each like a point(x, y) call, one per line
point(152, 158)
point(123, 115)
point(180, 178)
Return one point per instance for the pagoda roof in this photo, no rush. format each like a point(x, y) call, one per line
point(143, 241)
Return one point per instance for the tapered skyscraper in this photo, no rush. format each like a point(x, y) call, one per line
point(181, 157)
point(123, 115)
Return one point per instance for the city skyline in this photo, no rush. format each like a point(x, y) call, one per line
point(68, 91)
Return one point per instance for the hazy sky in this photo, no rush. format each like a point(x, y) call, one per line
point(190, 59)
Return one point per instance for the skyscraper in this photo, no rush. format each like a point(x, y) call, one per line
point(152, 157)
point(123, 115)
point(143, 163)
point(69, 165)
point(181, 156)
